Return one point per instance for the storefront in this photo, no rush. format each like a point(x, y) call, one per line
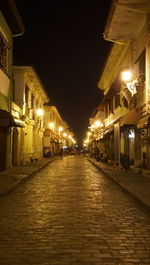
point(6, 142)
point(129, 136)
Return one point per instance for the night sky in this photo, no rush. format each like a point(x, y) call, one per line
point(64, 42)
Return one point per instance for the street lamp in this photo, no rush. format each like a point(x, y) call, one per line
point(126, 75)
point(64, 134)
point(40, 112)
point(60, 129)
point(97, 123)
point(39, 121)
point(89, 134)
point(51, 125)
point(128, 79)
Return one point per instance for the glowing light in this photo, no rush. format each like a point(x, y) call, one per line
point(40, 112)
point(89, 133)
point(126, 76)
point(51, 125)
point(60, 129)
point(97, 124)
point(64, 134)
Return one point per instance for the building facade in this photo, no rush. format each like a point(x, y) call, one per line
point(126, 123)
point(57, 134)
point(28, 99)
point(10, 26)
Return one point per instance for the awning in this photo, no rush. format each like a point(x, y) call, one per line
point(132, 117)
point(144, 122)
point(125, 20)
point(7, 120)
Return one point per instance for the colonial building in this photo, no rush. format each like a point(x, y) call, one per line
point(53, 125)
point(57, 134)
point(96, 129)
point(10, 26)
point(127, 102)
point(28, 99)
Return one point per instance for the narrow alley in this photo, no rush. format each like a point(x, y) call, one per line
point(69, 213)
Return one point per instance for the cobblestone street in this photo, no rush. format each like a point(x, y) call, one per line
point(69, 213)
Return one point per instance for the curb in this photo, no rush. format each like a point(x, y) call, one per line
point(23, 180)
point(140, 203)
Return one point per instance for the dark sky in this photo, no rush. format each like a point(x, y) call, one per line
point(63, 40)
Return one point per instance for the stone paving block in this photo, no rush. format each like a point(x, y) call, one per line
point(71, 213)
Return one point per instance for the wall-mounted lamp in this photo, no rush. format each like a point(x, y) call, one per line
point(40, 112)
point(126, 76)
point(98, 124)
point(51, 125)
point(60, 129)
point(64, 134)
point(89, 134)
point(128, 79)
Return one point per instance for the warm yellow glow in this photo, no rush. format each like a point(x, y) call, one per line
point(126, 76)
point(89, 133)
point(60, 129)
point(64, 134)
point(97, 123)
point(40, 112)
point(73, 140)
point(69, 136)
point(51, 125)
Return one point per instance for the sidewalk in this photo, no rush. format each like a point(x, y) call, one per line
point(10, 179)
point(131, 182)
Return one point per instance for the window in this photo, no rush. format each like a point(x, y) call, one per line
point(3, 54)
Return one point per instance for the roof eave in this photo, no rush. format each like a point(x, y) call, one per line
point(12, 16)
point(125, 20)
